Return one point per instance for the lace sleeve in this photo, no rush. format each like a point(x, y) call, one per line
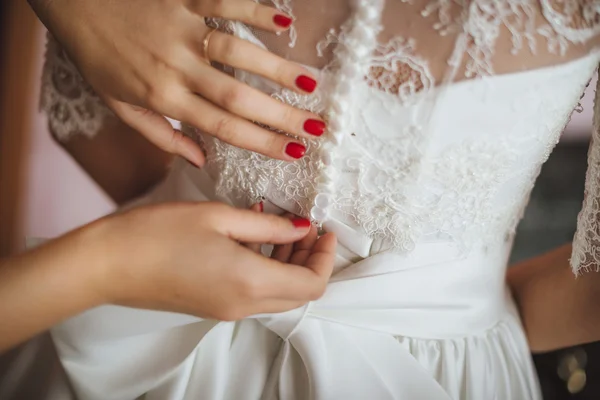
point(69, 102)
point(586, 243)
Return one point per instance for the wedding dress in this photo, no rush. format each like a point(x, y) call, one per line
point(441, 113)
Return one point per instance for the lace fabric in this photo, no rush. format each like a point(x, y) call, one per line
point(394, 187)
point(586, 243)
point(387, 71)
point(69, 102)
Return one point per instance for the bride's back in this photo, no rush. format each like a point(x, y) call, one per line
point(436, 134)
point(443, 135)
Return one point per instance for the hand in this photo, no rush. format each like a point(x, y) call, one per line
point(146, 60)
point(186, 258)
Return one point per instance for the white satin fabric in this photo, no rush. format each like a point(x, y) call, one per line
point(433, 323)
point(453, 168)
point(388, 327)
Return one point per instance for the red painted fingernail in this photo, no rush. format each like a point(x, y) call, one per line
point(261, 206)
point(306, 83)
point(301, 222)
point(282, 20)
point(295, 150)
point(314, 127)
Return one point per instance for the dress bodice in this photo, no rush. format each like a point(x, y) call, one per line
point(440, 114)
point(440, 145)
point(457, 166)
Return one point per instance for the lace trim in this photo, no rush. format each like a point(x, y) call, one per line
point(69, 102)
point(586, 243)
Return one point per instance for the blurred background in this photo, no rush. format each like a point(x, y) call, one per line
point(43, 193)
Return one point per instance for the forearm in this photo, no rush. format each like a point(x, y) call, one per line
point(557, 309)
point(47, 285)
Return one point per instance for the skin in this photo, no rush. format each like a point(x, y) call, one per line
point(151, 258)
point(146, 65)
point(557, 309)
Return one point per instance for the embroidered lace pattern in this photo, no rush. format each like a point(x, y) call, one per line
point(70, 103)
point(397, 185)
point(390, 189)
point(586, 244)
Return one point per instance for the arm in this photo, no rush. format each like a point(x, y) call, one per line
point(40, 288)
point(558, 309)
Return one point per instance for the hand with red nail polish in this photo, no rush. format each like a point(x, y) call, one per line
point(179, 257)
point(181, 266)
point(298, 252)
point(121, 54)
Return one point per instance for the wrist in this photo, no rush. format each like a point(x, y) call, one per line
point(97, 259)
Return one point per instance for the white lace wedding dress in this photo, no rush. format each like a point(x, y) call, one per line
point(441, 113)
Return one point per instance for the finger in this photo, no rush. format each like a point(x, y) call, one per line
point(255, 247)
point(230, 50)
point(252, 104)
point(322, 255)
point(282, 252)
point(302, 249)
point(292, 282)
point(282, 281)
point(234, 130)
point(252, 227)
point(246, 11)
point(158, 130)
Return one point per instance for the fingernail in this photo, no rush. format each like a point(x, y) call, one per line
point(314, 127)
point(301, 222)
point(282, 20)
point(306, 83)
point(261, 206)
point(295, 150)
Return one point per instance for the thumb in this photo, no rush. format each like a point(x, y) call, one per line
point(158, 130)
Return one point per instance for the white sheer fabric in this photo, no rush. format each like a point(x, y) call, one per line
point(424, 46)
point(441, 113)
